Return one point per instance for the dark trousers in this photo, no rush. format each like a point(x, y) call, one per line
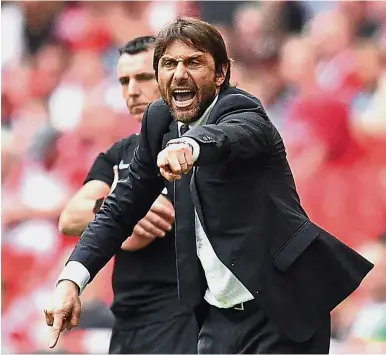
point(173, 335)
point(249, 331)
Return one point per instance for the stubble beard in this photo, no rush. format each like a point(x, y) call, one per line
point(193, 114)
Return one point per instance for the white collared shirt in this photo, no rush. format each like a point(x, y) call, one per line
point(224, 289)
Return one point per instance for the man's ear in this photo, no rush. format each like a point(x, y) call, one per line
point(221, 74)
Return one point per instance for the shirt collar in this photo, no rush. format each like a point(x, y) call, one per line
point(203, 119)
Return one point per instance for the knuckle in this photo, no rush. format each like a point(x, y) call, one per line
point(153, 230)
point(141, 223)
point(137, 229)
point(157, 221)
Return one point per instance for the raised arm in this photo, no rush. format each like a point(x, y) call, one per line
point(239, 135)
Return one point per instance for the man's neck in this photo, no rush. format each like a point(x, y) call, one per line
point(204, 117)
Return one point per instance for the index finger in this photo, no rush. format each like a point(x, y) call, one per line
point(56, 329)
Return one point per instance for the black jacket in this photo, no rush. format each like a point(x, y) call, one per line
point(244, 193)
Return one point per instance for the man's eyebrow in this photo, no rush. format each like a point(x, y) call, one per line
point(193, 56)
point(145, 75)
point(196, 56)
point(167, 57)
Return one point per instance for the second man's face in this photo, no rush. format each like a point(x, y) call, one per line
point(139, 87)
point(187, 81)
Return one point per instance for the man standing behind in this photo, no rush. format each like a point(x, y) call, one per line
point(149, 316)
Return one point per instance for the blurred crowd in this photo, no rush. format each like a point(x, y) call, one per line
point(319, 69)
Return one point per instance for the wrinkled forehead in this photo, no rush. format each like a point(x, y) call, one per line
point(181, 50)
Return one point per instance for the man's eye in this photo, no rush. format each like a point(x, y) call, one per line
point(169, 64)
point(194, 63)
point(124, 81)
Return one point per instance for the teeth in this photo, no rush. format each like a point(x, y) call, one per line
point(183, 104)
point(181, 91)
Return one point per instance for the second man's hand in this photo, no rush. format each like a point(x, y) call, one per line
point(155, 224)
point(157, 221)
point(176, 159)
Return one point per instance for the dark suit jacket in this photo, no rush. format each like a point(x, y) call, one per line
point(244, 193)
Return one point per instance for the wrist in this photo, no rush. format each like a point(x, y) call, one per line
point(180, 141)
point(68, 285)
point(193, 145)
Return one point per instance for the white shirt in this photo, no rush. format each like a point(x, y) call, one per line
point(224, 289)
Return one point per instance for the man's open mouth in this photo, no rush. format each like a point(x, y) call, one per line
point(183, 97)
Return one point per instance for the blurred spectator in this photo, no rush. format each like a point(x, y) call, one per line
point(39, 19)
point(368, 105)
point(357, 13)
point(298, 65)
point(48, 67)
point(340, 188)
point(329, 164)
point(284, 17)
point(219, 13)
point(333, 47)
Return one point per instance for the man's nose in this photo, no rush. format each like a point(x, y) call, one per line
point(180, 71)
point(133, 88)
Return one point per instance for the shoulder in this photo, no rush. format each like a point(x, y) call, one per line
point(155, 123)
point(122, 147)
point(234, 100)
point(124, 143)
point(158, 113)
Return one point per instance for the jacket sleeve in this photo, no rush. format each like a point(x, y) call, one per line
point(237, 135)
point(130, 201)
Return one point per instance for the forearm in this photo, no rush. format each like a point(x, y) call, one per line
point(74, 221)
point(105, 235)
point(76, 217)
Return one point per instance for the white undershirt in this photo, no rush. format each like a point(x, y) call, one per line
point(224, 289)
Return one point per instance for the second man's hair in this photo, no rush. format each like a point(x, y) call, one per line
point(137, 45)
